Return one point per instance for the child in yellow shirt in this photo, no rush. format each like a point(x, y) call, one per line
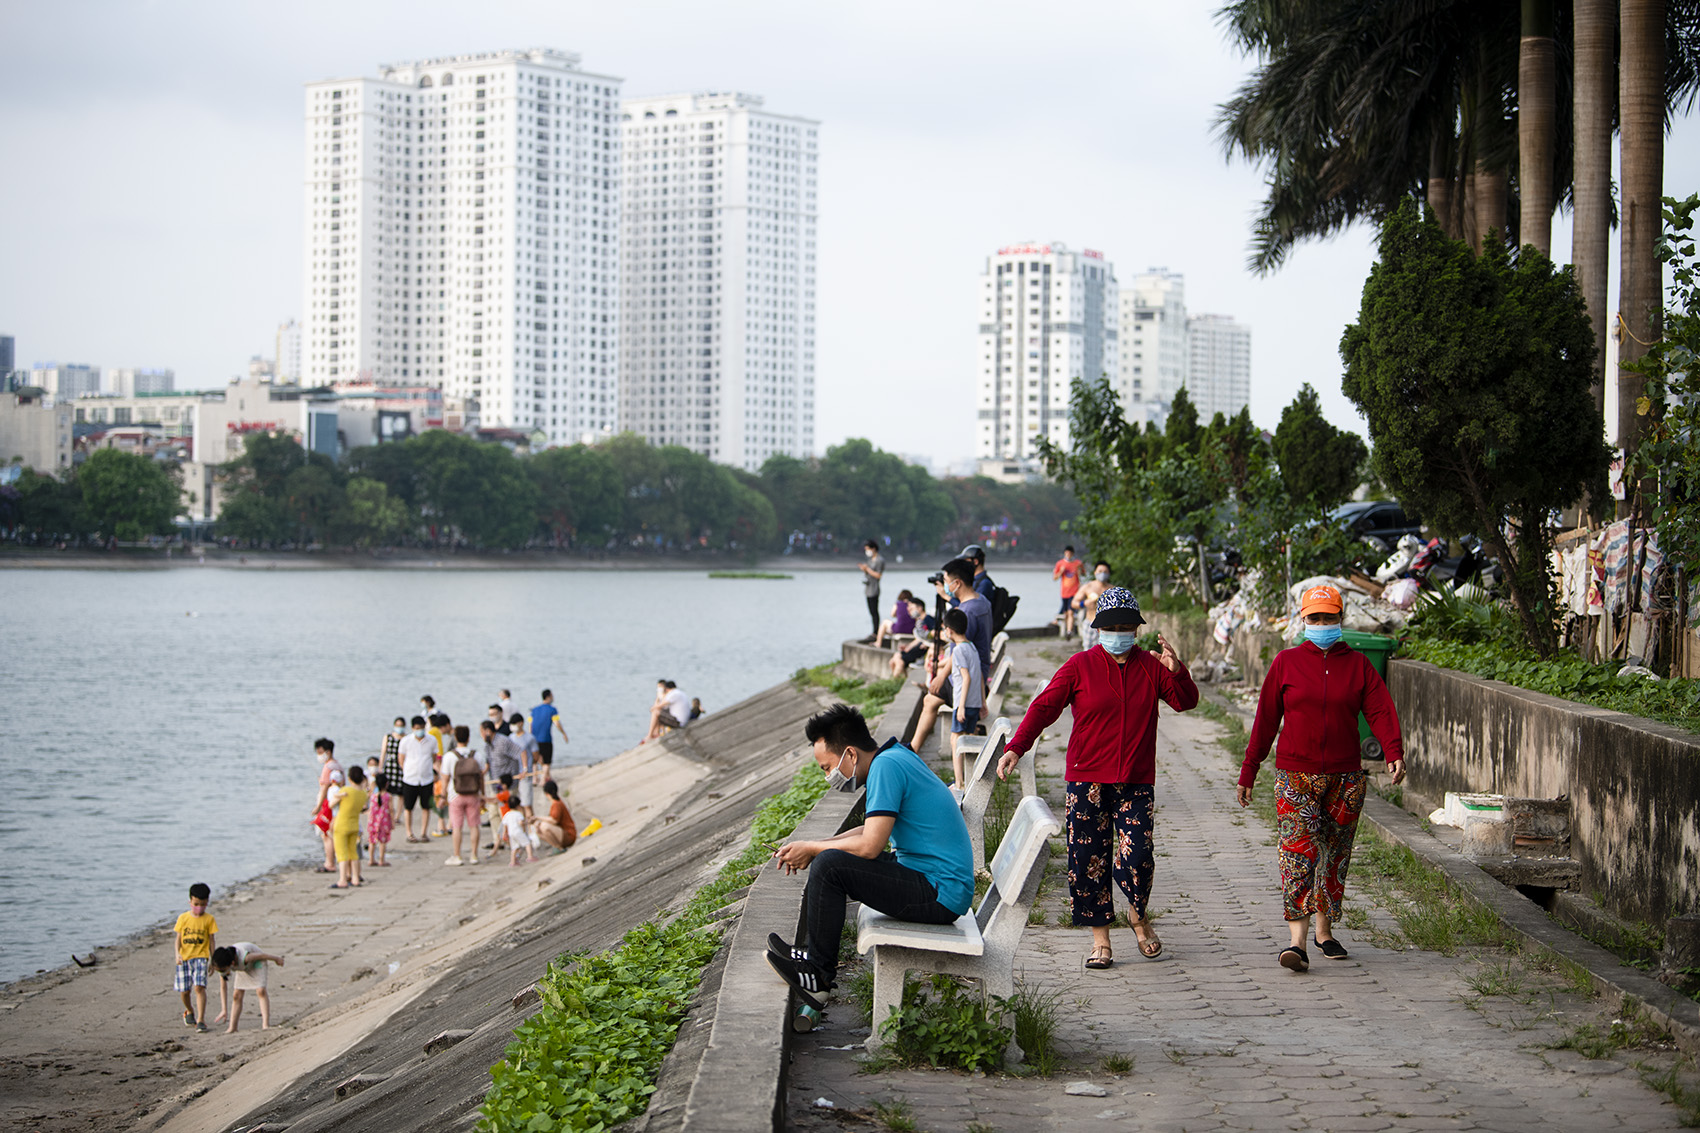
point(196, 931)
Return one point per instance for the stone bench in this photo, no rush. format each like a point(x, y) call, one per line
point(981, 943)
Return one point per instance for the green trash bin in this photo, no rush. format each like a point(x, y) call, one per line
point(1378, 647)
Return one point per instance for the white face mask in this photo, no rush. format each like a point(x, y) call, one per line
point(836, 780)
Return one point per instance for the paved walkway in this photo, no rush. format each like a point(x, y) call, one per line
point(1220, 1036)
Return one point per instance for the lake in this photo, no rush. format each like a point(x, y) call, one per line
point(159, 724)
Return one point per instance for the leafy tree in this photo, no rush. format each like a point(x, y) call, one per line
point(1473, 374)
point(479, 491)
point(251, 515)
point(1668, 459)
point(128, 495)
point(578, 494)
point(51, 507)
point(312, 495)
point(369, 515)
point(1320, 465)
point(1181, 430)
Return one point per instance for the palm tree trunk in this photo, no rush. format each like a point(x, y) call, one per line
point(1491, 187)
point(1590, 243)
point(1440, 184)
point(1536, 113)
point(1641, 78)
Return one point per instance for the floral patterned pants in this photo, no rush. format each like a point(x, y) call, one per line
point(1316, 817)
point(1109, 838)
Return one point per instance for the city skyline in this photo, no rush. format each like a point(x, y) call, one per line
point(206, 136)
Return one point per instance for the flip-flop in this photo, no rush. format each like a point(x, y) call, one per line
point(1097, 963)
point(1331, 948)
point(1295, 959)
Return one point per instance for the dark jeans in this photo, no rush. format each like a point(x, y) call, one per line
point(874, 610)
point(879, 883)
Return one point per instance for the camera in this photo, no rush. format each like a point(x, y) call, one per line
point(936, 578)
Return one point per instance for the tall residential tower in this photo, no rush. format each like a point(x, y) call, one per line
point(1047, 316)
point(463, 231)
point(1153, 344)
point(1218, 368)
point(718, 279)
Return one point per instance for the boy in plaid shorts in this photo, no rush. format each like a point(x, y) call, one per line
point(195, 932)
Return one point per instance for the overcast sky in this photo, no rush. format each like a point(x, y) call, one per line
point(150, 214)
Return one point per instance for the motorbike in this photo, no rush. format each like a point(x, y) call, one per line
point(1428, 565)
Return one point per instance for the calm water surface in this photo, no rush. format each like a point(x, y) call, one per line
point(158, 725)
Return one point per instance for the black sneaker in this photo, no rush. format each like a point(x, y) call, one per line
point(776, 945)
point(803, 977)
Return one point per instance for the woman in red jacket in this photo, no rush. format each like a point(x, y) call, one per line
point(1113, 690)
point(1319, 687)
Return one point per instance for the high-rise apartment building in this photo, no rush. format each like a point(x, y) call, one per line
point(137, 381)
point(1152, 348)
point(1218, 370)
point(1047, 316)
point(66, 381)
point(463, 231)
point(287, 353)
point(718, 279)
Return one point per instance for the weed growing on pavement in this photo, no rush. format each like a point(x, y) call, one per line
point(1631, 1030)
point(978, 1127)
point(587, 1058)
point(1000, 809)
point(1685, 1095)
point(1506, 978)
point(1035, 915)
point(1035, 1014)
point(860, 991)
point(894, 1116)
point(1118, 1064)
point(1430, 914)
point(941, 1024)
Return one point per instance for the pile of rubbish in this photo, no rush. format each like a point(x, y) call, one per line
point(1365, 612)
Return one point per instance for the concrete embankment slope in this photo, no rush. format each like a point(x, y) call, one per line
point(746, 753)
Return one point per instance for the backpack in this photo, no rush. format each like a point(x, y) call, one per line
point(1003, 608)
point(468, 776)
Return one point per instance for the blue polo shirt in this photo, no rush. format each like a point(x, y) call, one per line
point(927, 832)
point(543, 722)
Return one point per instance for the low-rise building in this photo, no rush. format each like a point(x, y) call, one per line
point(34, 432)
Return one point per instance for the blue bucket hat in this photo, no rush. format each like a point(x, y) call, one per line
point(1117, 609)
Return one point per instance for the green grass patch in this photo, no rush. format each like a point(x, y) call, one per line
point(587, 1059)
point(870, 696)
point(746, 574)
point(1679, 1083)
point(1431, 915)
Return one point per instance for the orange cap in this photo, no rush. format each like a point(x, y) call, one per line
point(1320, 599)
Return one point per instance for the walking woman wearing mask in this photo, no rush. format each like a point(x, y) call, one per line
point(1318, 688)
point(1113, 691)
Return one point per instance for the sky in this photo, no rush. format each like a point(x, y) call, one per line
point(151, 212)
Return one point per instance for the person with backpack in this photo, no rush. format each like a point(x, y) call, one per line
point(466, 776)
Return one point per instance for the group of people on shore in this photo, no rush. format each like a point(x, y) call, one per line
point(1308, 711)
point(457, 784)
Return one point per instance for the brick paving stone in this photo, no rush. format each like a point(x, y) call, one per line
point(1224, 1038)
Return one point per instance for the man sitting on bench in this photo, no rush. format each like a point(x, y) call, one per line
point(930, 877)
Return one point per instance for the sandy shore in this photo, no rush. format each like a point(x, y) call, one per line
point(104, 1047)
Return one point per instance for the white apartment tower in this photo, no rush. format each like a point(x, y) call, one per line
point(1153, 350)
point(1218, 370)
point(463, 231)
point(718, 280)
point(1047, 316)
point(288, 353)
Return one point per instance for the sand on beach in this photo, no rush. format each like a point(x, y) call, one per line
point(84, 1049)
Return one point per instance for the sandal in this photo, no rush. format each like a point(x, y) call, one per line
point(1294, 958)
point(1100, 959)
point(1149, 945)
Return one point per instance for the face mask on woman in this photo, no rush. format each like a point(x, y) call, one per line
point(1117, 643)
point(1323, 637)
point(398, 729)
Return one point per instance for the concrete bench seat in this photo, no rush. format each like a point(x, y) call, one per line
point(981, 943)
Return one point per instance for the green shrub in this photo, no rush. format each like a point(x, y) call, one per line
point(587, 1059)
point(870, 696)
point(939, 1024)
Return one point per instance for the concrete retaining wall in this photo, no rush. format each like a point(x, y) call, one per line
point(1634, 785)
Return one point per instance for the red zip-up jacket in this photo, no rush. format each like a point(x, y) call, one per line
point(1114, 738)
point(1319, 695)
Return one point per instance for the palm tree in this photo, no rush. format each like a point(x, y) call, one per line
point(1536, 130)
point(1641, 105)
point(1595, 45)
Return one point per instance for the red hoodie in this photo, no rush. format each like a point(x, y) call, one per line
point(1114, 738)
point(1320, 695)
